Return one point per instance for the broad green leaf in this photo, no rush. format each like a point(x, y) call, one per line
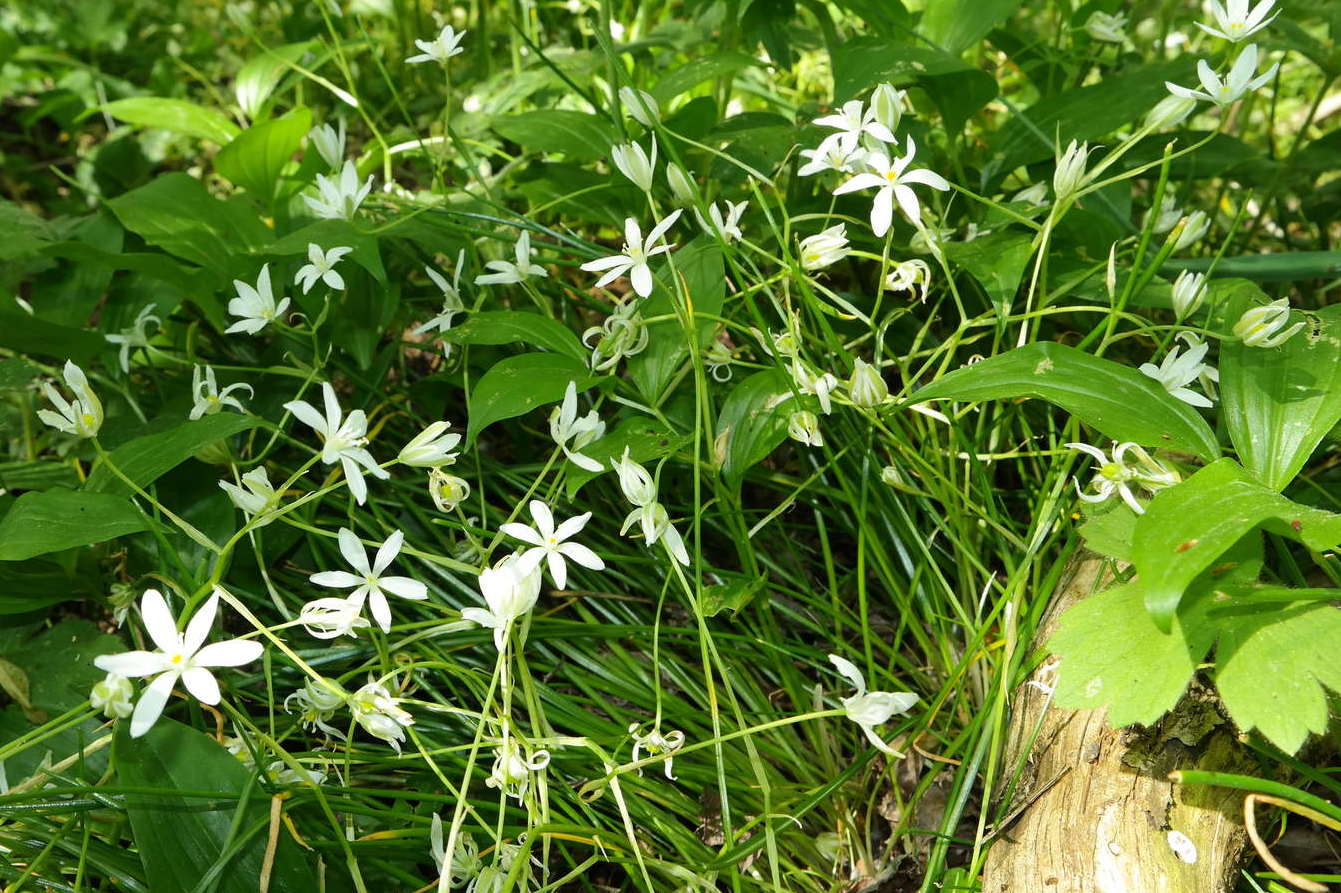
point(958, 89)
point(695, 72)
point(257, 79)
point(511, 326)
point(1187, 528)
point(332, 234)
point(516, 385)
point(37, 475)
point(176, 213)
point(144, 459)
point(1108, 529)
point(38, 582)
point(955, 25)
point(1116, 400)
point(998, 261)
point(189, 791)
point(33, 335)
point(1272, 667)
point(255, 158)
point(175, 115)
point(646, 439)
point(577, 135)
point(1085, 113)
point(1113, 654)
point(52, 520)
point(753, 422)
point(1279, 404)
point(700, 264)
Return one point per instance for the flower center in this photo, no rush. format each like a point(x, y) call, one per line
point(177, 659)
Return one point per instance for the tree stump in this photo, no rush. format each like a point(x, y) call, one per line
point(1093, 810)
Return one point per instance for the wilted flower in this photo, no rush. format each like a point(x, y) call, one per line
point(83, 417)
point(369, 583)
point(548, 543)
point(1106, 28)
point(870, 709)
point(818, 384)
point(1239, 81)
point(892, 178)
point(910, 276)
point(654, 522)
point(803, 427)
point(1264, 326)
point(634, 480)
point(465, 863)
point(338, 199)
point(572, 432)
point(1168, 214)
point(431, 447)
point(451, 297)
point(512, 769)
point(342, 441)
point(637, 251)
point(1189, 290)
point(623, 334)
point(1121, 476)
point(321, 265)
point(317, 702)
point(1176, 372)
point(1234, 22)
point(209, 399)
point(825, 247)
point(447, 490)
point(380, 714)
point(717, 359)
point(1035, 195)
point(112, 695)
point(179, 656)
point(867, 387)
point(728, 227)
point(508, 272)
point(640, 106)
point(635, 164)
point(1070, 173)
point(135, 335)
point(331, 617)
point(441, 48)
point(257, 500)
point(656, 744)
point(329, 143)
point(510, 592)
point(256, 306)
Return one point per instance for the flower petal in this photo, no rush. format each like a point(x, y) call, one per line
point(336, 579)
point(202, 685)
point(381, 611)
point(158, 622)
point(583, 556)
point(232, 653)
point(352, 550)
point(558, 569)
point(150, 706)
point(572, 526)
point(132, 663)
point(387, 552)
point(523, 533)
point(405, 587)
point(202, 621)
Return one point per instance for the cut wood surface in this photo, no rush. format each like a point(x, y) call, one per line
point(1093, 809)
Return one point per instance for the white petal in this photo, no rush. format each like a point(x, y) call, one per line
point(336, 579)
point(572, 526)
point(558, 569)
point(201, 683)
point(882, 212)
point(232, 653)
point(307, 414)
point(849, 669)
point(641, 276)
point(543, 517)
point(132, 663)
point(583, 556)
point(523, 533)
point(381, 611)
point(158, 621)
point(405, 587)
point(150, 705)
point(352, 550)
point(198, 630)
point(387, 552)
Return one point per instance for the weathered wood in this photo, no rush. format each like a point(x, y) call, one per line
point(1093, 807)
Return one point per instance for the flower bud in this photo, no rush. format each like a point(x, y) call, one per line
point(635, 164)
point(1070, 173)
point(803, 426)
point(447, 490)
point(640, 106)
point(887, 105)
point(824, 248)
point(112, 696)
point(681, 187)
point(1106, 28)
point(866, 387)
point(431, 447)
point(1169, 214)
point(1194, 226)
point(634, 480)
point(329, 143)
point(1189, 290)
point(1170, 112)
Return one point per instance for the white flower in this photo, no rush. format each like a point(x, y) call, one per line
point(867, 387)
point(447, 490)
point(821, 385)
point(209, 399)
point(507, 272)
point(548, 543)
point(892, 179)
point(369, 583)
point(1239, 81)
point(621, 335)
point(329, 143)
point(1167, 215)
point(1106, 28)
point(910, 276)
point(256, 306)
point(465, 863)
point(441, 48)
point(824, 248)
point(431, 447)
point(1262, 326)
point(331, 617)
point(321, 265)
point(1170, 112)
point(565, 425)
point(339, 199)
point(637, 251)
point(1175, 373)
point(510, 592)
point(1069, 175)
point(635, 164)
point(83, 417)
point(717, 358)
point(179, 656)
point(1194, 227)
point(1034, 195)
point(1207, 376)
point(451, 297)
point(640, 106)
point(259, 497)
point(1234, 22)
point(656, 744)
point(342, 441)
point(112, 695)
point(380, 714)
point(1120, 476)
point(803, 427)
point(279, 773)
point(317, 702)
point(1189, 290)
point(887, 106)
point(512, 770)
point(832, 154)
point(870, 709)
point(135, 335)
point(727, 228)
point(655, 524)
point(680, 185)
point(854, 119)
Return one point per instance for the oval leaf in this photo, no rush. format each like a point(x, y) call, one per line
point(145, 459)
point(52, 520)
point(517, 385)
point(512, 326)
point(255, 158)
point(175, 115)
point(753, 422)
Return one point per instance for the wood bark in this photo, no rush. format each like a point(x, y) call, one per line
point(1092, 809)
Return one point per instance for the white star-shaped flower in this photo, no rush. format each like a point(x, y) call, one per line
point(853, 120)
point(256, 306)
point(893, 178)
point(548, 543)
point(369, 583)
point(135, 335)
point(637, 251)
point(441, 48)
point(1239, 81)
point(82, 417)
point(451, 297)
point(338, 199)
point(1176, 372)
point(507, 272)
point(1234, 22)
point(510, 592)
point(572, 432)
point(209, 399)
point(869, 709)
point(321, 265)
point(342, 439)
